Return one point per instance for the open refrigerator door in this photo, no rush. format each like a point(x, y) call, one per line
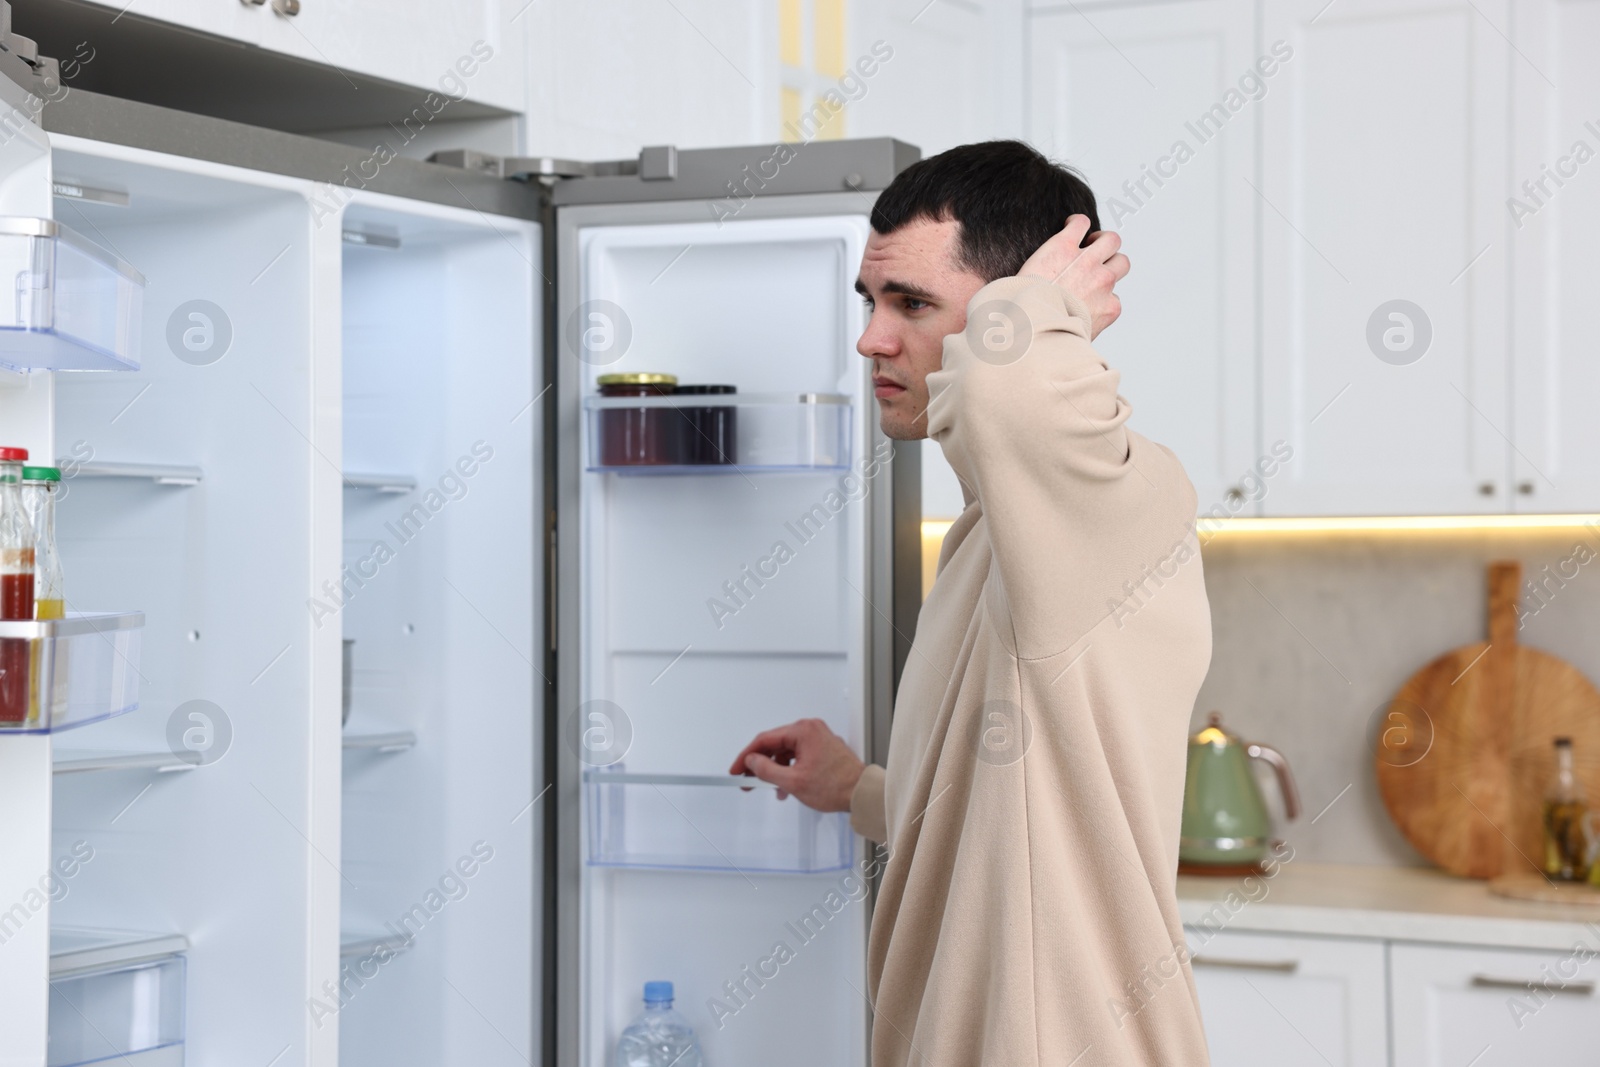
point(727, 546)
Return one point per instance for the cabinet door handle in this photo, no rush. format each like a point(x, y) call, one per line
point(1277, 966)
point(1489, 981)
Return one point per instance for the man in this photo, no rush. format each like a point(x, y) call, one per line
point(1031, 800)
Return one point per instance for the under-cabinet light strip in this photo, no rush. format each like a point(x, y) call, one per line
point(935, 529)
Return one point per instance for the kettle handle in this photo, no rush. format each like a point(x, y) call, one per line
point(1280, 766)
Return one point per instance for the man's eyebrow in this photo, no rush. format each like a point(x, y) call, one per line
point(903, 288)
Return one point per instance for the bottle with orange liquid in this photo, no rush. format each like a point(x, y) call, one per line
point(39, 486)
point(16, 586)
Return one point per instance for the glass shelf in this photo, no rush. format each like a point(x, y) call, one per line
point(380, 483)
point(729, 434)
point(73, 671)
point(355, 946)
point(74, 305)
point(160, 473)
point(710, 822)
point(70, 762)
point(116, 996)
point(398, 741)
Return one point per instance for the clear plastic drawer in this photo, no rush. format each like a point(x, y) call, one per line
point(116, 997)
point(59, 673)
point(709, 823)
point(72, 305)
point(718, 434)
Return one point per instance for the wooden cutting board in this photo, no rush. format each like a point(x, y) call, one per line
point(1464, 750)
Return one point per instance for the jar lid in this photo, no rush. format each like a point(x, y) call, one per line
point(41, 474)
point(637, 379)
point(13, 455)
point(707, 390)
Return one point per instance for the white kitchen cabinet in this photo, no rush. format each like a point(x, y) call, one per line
point(1552, 208)
point(1474, 1005)
point(1384, 147)
point(1120, 99)
point(410, 42)
point(1275, 1001)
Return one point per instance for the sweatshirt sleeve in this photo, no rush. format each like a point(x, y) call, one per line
point(1080, 510)
point(868, 816)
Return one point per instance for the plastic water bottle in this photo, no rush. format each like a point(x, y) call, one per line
point(659, 1037)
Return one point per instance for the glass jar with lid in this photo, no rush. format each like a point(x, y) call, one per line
point(638, 436)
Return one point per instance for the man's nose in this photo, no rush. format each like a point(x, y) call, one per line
point(877, 340)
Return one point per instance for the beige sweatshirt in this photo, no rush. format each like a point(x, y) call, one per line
point(1028, 913)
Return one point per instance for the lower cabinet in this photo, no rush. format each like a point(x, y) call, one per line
point(1273, 1001)
point(1494, 1007)
point(1283, 1001)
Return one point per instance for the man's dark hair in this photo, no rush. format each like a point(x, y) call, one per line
point(1007, 197)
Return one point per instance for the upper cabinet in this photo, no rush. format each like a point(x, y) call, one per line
point(1362, 274)
point(1551, 211)
point(1129, 102)
point(466, 49)
point(1384, 257)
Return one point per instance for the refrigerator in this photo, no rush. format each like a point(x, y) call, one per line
point(354, 460)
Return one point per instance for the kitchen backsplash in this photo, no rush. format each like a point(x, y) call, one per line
point(1314, 633)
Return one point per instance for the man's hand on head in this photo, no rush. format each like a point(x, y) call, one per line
point(805, 760)
point(1089, 273)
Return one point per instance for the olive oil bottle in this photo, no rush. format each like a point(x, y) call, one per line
point(1565, 840)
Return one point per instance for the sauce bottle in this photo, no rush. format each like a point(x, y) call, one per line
point(39, 485)
point(16, 585)
point(1566, 843)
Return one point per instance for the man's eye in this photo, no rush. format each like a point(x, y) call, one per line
point(913, 304)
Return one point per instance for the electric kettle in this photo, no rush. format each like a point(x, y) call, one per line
point(1226, 825)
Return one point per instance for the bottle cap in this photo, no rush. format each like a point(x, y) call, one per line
point(41, 474)
point(13, 455)
point(657, 992)
point(1563, 742)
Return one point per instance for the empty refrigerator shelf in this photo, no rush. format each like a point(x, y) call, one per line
point(82, 762)
point(380, 483)
point(718, 434)
point(397, 741)
point(160, 473)
point(75, 305)
point(74, 950)
point(116, 996)
point(708, 822)
point(70, 672)
point(352, 946)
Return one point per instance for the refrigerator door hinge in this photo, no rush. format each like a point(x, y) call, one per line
point(655, 163)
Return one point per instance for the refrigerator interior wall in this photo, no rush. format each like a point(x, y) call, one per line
point(442, 596)
point(692, 657)
point(220, 569)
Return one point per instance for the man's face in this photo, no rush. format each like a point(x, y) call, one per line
point(917, 296)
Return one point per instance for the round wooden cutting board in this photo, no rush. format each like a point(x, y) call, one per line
point(1464, 750)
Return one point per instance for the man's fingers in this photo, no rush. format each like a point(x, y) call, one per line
point(1073, 233)
point(778, 739)
point(1119, 266)
point(1103, 247)
point(769, 770)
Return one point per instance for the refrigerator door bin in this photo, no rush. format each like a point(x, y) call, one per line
point(74, 671)
point(666, 434)
point(72, 306)
point(709, 823)
point(116, 997)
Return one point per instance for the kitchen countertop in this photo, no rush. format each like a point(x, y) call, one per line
point(1389, 903)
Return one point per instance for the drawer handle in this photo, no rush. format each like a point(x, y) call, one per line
point(1278, 966)
point(1489, 981)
